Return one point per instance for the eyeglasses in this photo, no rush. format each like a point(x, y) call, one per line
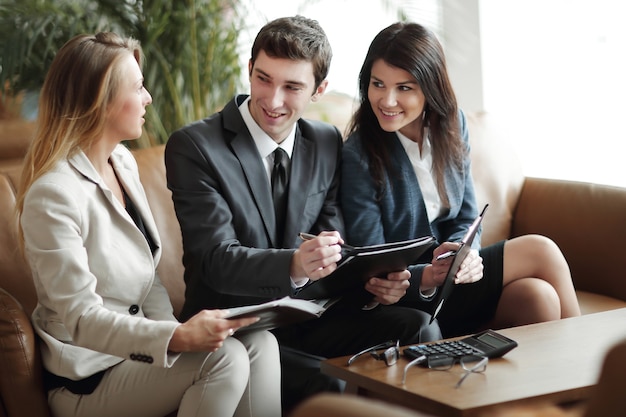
point(388, 352)
point(479, 365)
point(470, 363)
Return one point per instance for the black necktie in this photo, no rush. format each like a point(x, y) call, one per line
point(279, 190)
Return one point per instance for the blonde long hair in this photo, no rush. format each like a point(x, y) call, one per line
point(82, 81)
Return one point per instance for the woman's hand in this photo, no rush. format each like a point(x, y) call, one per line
point(206, 331)
point(471, 268)
point(439, 268)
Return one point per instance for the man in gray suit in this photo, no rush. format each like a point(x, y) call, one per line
point(236, 252)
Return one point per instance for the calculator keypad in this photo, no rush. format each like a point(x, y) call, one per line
point(455, 349)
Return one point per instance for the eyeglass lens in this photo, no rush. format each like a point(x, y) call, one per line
point(391, 356)
point(470, 363)
point(474, 363)
point(440, 362)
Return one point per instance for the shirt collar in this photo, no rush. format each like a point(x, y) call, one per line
point(412, 148)
point(264, 143)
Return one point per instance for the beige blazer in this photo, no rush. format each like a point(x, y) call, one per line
point(100, 300)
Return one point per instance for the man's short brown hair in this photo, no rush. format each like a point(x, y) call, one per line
point(295, 38)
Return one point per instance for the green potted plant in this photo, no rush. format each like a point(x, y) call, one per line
point(191, 49)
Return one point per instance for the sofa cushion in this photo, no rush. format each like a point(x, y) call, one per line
point(594, 303)
point(587, 221)
point(498, 175)
point(151, 165)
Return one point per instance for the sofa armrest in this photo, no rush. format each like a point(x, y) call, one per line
point(21, 388)
point(587, 221)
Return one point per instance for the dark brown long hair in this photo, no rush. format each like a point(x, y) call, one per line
point(415, 49)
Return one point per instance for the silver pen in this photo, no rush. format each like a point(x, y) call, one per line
point(446, 255)
point(308, 236)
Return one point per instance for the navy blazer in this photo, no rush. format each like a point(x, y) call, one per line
point(223, 202)
point(400, 214)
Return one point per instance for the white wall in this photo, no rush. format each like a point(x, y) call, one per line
point(552, 71)
point(349, 24)
point(555, 71)
point(460, 36)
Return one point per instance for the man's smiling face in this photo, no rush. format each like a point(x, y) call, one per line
point(280, 90)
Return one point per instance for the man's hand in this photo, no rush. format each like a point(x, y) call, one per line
point(390, 290)
point(317, 258)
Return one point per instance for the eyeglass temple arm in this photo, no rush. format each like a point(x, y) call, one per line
point(460, 381)
point(369, 349)
point(412, 363)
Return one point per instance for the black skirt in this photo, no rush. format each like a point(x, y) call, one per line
point(471, 306)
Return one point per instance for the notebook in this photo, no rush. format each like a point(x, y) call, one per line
point(448, 284)
point(361, 263)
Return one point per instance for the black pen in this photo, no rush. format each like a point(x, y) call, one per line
point(308, 236)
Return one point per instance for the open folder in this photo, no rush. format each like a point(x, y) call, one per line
point(277, 313)
point(461, 253)
point(361, 263)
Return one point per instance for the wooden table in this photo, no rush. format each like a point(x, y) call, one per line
point(555, 362)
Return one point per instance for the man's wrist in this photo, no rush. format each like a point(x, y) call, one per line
point(296, 272)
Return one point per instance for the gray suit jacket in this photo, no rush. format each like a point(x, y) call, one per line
point(224, 205)
point(94, 272)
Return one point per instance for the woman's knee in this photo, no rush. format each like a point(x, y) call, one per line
point(231, 361)
point(529, 300)
point(260, 344)
point(546, 248)
point(533, 256)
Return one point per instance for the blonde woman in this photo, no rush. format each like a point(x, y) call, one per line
point(111, 344)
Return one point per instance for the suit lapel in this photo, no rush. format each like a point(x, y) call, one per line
point(81, 163)
point(246, 152)
point(125, 176)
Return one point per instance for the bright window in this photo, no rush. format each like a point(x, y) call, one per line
point(554, 70)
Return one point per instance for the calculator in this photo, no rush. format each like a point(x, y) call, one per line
point(487, 343)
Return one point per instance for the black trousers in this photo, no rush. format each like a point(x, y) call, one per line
point(344, 329)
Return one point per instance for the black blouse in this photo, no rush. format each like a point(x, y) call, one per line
point(134, 214)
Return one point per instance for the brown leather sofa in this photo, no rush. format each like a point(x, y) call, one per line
point(586, 220)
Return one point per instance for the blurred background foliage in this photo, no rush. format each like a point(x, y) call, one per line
point(192, 64)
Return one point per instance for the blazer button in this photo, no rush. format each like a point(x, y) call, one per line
point(134, 309)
